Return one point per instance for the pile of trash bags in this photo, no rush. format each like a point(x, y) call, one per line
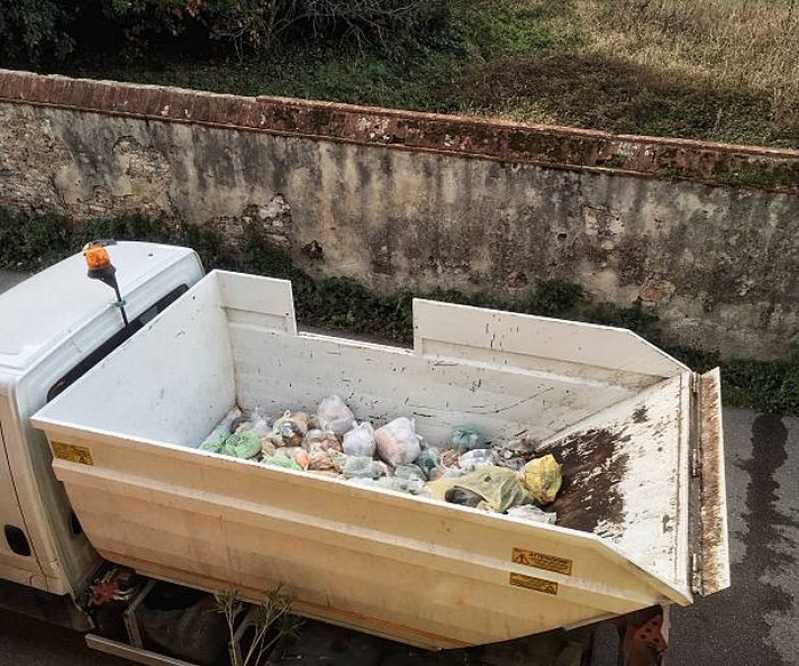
point(508, 478)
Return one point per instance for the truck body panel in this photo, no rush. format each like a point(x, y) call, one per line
point(616, 411)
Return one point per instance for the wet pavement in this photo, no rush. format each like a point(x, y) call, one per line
point(756, 621)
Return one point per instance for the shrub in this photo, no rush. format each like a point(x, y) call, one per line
point(30, 29)
point(258, 24)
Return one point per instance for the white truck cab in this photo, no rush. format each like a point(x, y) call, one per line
point(53, 328)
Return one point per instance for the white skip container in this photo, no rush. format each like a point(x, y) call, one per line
point(641, 518)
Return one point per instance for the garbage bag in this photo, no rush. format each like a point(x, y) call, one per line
point(334, 415)
point(475, 459)
point(360, 441)
point(449, 467)
point(462, 496)
point(500, 487)
point(268, 447)
point(362, 467)
point(221, 432)
point(242, 445)
point(321, 439)
point(534, 514)
point(428, 460)
point(278, 460)
point(321, 446)
point(410, 486)
point(296, 453)
point(410, 472)
point(466, 438)
point(542, 478)
point(291, 428)
point(516, 453)
point(449, 458)
point(216, 440)
point(258, 423)
point(397, 441)
point(436, 473)
point(321, 460)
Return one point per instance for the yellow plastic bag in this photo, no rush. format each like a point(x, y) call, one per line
point(499, 487)
point(542, 478)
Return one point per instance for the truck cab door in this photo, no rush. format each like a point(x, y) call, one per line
point(18, 561)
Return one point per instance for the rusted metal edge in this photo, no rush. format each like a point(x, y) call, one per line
point(711, 557)
point(133, 654)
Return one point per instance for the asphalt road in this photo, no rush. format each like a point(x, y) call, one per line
point(754, 623)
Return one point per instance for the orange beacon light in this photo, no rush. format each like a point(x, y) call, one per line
point(98, 261)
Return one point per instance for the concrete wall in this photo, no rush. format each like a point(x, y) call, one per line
point(399, 199)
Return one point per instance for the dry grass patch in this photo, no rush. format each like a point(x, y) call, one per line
point(746, 44)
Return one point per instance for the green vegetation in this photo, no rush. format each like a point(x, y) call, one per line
point(32, 242)
point(725, 70)
point(35, 30)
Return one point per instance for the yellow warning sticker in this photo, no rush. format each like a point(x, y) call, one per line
point(531, 558)
point(76, 454)
point(532, 583)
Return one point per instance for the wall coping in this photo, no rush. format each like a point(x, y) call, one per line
point(556, 147)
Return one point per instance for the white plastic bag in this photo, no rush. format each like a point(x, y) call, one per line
point(321, 439)
point(408, 472)
point(260, 425)
point(361, 467)
point(360, 441)
point(533, 514)
point(255, 422)
point(322, 447)
point(475, 459)
point(335, 415)
point(397, 442)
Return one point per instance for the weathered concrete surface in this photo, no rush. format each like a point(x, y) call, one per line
point(717, 264)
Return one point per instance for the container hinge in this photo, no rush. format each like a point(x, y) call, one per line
point(696, 380)
point(696, 573)
point(695, 462)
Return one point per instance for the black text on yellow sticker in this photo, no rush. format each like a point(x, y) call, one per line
point(532, 583)
point(531, 558)
point(76, 454)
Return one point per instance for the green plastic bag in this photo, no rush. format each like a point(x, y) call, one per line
point(244, 445)
point(215, 441)
point(281, 461)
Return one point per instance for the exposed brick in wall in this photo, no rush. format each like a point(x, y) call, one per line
point(554, 147)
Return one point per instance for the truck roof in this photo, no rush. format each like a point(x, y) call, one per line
point(44, 310)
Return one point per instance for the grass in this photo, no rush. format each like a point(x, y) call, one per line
point(31, 242)
point(724, 70)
